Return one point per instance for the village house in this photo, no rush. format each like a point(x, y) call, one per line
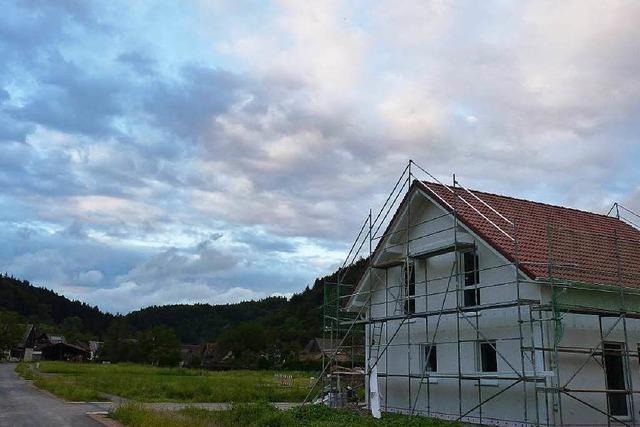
point(24, 349)
point(496, 310)
point(191, 355)
point(317, 348)
point(56, 347)
point(94, 349)
point(34, 346)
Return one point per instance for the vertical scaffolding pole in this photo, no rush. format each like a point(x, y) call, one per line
point(476, 266)
point(458, 291)
point(604, 371)
point(369, 316)
point(386, 337)
point(520, 336)
point(627, 361)
point(534, 364)
point(426, 339)
point(556, 318)
point(407, 281)
point(545, 363)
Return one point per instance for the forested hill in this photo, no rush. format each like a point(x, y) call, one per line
point(292, 322)
point(203, 322)
point(43, 306)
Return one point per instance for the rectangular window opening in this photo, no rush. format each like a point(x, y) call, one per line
point(430, 358)
point(409, 280)
point(471, 279)
point(488, 357)
point(615, 378)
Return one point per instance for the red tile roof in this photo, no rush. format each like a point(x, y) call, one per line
point(583, 246)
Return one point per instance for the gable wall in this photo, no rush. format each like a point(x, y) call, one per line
point(433, 275)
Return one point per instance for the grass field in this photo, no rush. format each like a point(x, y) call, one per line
point(263, 415)
point(85, 382)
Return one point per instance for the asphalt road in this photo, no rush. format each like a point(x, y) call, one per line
point(22, 405)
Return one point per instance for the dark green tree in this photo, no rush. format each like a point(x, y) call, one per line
point(118, 342)
point(11, 330)
point(161, 346)
point(247, 336)
point(73, 329)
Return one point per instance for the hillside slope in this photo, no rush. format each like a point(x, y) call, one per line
point(43, 306)
point(290, 322)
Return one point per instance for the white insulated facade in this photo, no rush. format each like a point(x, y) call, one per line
point(452, 323)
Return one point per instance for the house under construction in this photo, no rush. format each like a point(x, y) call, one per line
point(489, 309)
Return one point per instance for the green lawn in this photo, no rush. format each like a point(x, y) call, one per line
point(85, 382)
point(263, 415)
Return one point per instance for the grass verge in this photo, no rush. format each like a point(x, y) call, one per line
point(265, 415)
point(77, 381)
point(62, 386)
point(25, 371)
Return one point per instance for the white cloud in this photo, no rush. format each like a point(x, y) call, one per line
point(90, 278)
point(293, 123)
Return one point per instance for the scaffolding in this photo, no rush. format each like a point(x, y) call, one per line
point(543, 373)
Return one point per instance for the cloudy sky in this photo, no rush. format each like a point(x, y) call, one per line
point(209, 151)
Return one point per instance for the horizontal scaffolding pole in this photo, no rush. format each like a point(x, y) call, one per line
point(453, 310)
point(470, 376)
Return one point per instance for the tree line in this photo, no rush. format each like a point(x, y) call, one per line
point(265, 333)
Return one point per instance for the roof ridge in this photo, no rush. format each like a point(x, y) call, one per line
point(530, 201)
